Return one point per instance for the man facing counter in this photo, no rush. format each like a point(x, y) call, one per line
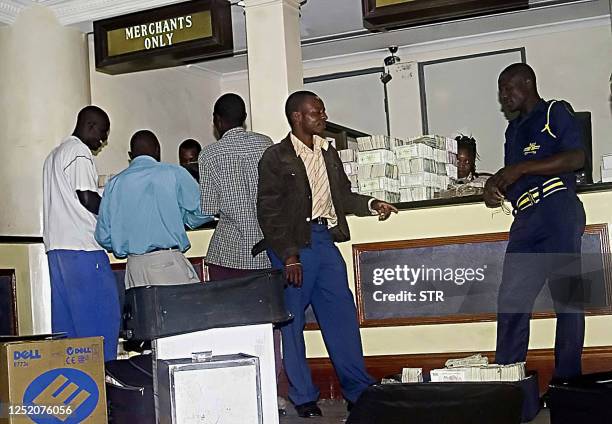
point(143, 215)
point(84, 300)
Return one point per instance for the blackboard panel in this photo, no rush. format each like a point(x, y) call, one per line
point(389, 292)
point(8, 304)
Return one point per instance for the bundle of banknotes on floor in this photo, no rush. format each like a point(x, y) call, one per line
point(472, 369)
point(477, 368)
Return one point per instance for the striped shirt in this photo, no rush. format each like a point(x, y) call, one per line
point(228, 187)
point(322, 205)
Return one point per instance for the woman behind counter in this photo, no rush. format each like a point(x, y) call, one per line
point(466, 161)
point(469, 182)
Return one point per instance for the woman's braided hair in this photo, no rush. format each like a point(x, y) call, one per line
point(468, 143)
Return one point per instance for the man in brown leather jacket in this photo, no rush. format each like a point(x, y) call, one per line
point(302, 202)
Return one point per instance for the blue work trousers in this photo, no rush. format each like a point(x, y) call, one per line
point(544, 247)
point(84, 296)
point(325, 287)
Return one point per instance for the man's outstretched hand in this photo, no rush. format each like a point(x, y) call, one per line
point(383, 209)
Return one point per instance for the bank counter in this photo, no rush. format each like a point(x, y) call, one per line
point(388, 346)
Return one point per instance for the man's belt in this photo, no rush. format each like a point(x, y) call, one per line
point(159, 249)
point(534, 195)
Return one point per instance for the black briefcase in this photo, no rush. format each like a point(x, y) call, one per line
point(130, 399)
point(439, 403)
point(584, 399)
point(158, 311)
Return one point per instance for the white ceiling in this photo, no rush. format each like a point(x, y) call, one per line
point(338, 31)
point(328, 30)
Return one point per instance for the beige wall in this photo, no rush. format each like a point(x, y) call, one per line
point(43, 83)
point(174, 103)
point(33, 297)
point(439, 222)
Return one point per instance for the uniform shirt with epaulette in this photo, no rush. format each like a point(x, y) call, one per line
point(550, 128)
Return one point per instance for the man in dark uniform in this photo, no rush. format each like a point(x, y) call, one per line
point(542, 150)
point(302, 201)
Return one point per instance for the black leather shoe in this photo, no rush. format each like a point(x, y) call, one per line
point(308, 410)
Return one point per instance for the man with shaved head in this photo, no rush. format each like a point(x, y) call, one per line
point(143, 215)
point(84, 299)
point(543, 149)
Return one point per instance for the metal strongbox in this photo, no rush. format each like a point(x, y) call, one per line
point(224, 389)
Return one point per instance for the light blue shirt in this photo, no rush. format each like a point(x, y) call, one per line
point(146, 207)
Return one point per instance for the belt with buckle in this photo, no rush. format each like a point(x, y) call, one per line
point(319, 220)
point(158, 249)
point(534, 195)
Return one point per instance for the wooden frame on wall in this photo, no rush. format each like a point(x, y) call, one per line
point(599, 231)
point(8, 304)
point(388, 14)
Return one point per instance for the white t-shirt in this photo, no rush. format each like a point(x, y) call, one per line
point(66, 222)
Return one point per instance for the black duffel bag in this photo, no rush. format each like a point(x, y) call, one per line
point(152, 312)
point(584, 399)
point(439, 403)
point(130, 400)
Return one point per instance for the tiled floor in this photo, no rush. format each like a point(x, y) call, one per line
point(335, 412)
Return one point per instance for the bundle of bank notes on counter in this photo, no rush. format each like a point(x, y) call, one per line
point(351, 167)
point(477, 368)
point(426, 164)
point(401, 170)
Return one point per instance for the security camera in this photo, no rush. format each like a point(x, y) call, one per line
point(390, 60)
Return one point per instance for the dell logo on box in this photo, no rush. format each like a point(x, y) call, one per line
point(26, 354)
point(67, 387)
point(77, 350)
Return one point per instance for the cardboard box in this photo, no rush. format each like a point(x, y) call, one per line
point(45, 381)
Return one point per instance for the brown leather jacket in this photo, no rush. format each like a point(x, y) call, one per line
point(284, 200)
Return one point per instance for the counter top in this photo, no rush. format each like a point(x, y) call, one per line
point(585, 188)
point(422, 204)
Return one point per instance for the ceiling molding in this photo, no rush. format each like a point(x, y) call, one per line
point(406, 50)
point(9, 9)
point(71, 12)
point(77, 11)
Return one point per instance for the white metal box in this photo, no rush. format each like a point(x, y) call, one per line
point(255, 340)
point(225, 389)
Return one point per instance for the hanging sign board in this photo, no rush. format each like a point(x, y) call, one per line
point(164, 37)
point(388, 14)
